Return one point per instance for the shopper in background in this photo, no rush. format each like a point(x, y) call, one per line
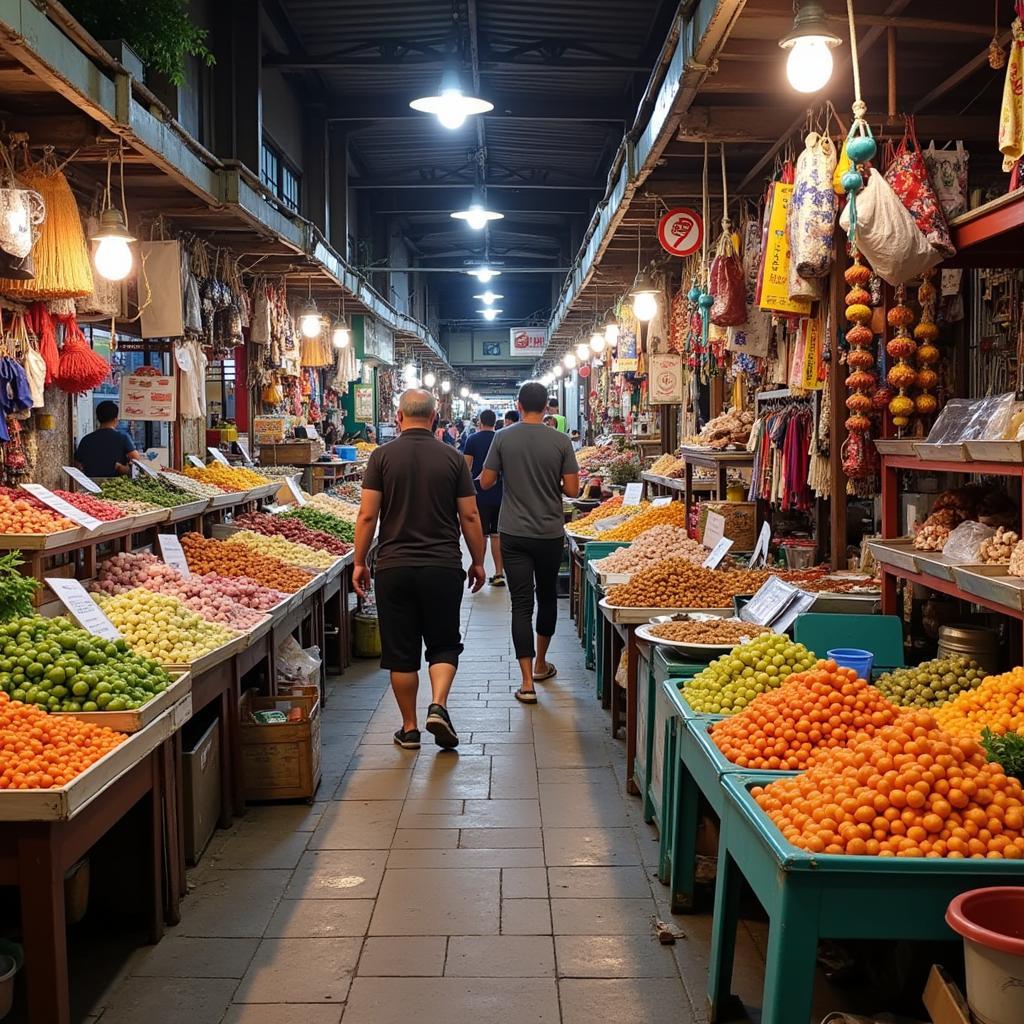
point(617, 427)
point(577, 441)
point(106, 451)
point(560, 423)
point(487, 502)
point(468, 431)
point(512, 416)
point(550, 421)
point(422, 494)
point(537, 467)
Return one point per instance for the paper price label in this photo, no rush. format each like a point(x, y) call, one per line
point(82, 608)
point(761, 547)
point(718, 552)
point(81, 479)
point(243, 447)
point(632, 495)
point(62, 507)
point(143, 466)
point(172, 552)
point(661, 502)
point(196, 461)
point(300, 498)
point(311, 431)
point(218, 455)
point(714, 529)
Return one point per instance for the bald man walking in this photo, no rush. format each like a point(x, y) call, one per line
point(423, 495)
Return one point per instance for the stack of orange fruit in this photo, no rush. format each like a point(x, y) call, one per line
point(998, 702)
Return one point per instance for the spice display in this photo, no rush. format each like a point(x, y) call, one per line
point(611, 507)
point(286, 550)
point(674, 583)
point(708, 631)
point(668, 466)
point(161, 627)
point(996, 703)
point(228, 478)
point(38, 751)
point(595, 456)
point(236, 604)
point(59, 667)
point(234, 560)
point(881, 797)
point(93, 506)
point(121, 488)
point(21, 513)
point(195, 488)
point(733, 680)
point(998, 549)
point(332, 506)
point(347, 490)
point(823, 708)
point(932, 682)
point(319, 521)
point(291, 528)
point(16, 589)
point(653, 545)
point(673, 514)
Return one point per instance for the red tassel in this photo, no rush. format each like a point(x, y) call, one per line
point(81, 369)
point(42, 325)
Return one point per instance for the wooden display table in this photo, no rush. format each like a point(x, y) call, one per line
point(720, 462)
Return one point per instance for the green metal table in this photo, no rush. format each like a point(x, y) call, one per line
point(809, 896)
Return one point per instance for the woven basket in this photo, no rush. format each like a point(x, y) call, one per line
point(740, 521)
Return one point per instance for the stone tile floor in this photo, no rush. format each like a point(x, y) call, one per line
point(512, 878)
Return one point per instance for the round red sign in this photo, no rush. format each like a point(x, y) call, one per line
point(681, 231)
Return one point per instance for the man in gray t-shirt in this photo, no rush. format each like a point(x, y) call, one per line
point(537, 466)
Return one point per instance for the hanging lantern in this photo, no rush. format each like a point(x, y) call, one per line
point(861, 360)
point(903, 349)
point(927, 332)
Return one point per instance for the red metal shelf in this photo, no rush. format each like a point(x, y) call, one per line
point(912, 462)
point(950, 589)
point(989, 222)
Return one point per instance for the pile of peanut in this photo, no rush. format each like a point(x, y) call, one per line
point(651, 546)
point(713, 631)
point(996, 550)
point(675, 583)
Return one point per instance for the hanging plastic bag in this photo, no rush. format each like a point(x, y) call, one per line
point(887, 236)
point(947, 169)
point(908, 176)
point(812, 210)
point(728, 285)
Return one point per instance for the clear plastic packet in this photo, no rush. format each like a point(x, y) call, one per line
point(964, 543)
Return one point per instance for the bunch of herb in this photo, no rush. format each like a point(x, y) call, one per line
point(1007, 751)
point(16, 589)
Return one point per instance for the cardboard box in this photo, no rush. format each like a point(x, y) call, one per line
point(281, 761)
point(943, 1000)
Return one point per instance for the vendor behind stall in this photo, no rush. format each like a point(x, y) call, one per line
point(107, 451)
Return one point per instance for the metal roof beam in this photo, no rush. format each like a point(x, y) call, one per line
point(380, 186)
point(509, 105)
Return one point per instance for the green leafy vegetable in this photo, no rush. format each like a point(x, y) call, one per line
point(16, 589)
point(1006, 750)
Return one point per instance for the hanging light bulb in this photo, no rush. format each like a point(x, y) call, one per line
point(488, 297)
point(810, 45)
point(309, 320)
point(113, 256)
point(463, 392)
point(489, 313)
point(611, 331)
point(569, 361)
point(476, 215)
point(546, 380)
point(484, 274)
point(582, 351)
point(340, 334)
point(644, 294)
point(451, 106)
point(558, 371)
point(429, 380)
point(446, 386)
point(410, 373)
point(597, 343)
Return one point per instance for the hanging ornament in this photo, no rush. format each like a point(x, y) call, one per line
point(927, 332)
point(861, 382)
point(903, 349)
point(996, 54)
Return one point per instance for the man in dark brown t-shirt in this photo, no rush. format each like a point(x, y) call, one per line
point(422, 493)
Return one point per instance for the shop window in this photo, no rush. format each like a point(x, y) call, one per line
point(270, 167)
point(279, 176)
point(290, 188)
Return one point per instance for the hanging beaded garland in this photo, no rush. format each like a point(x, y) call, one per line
point(861, 382)
point(927, 332)
point(902, 348)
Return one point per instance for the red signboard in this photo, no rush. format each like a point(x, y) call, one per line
point(681, 231)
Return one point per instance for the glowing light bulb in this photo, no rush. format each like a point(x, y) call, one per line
point(484, 274)
point(451, 112)
point(490, 313)
point(569, 361)
point(611, 334)
point(809, 64)
point(557, 371)
point(476, 217)
point(582, 351)
point(342, 336)
point(113, 259)
point(645, 306)
point(446, 386)
point(464, 392)
point(597, 343)
point(429, 379)
point(310, 324)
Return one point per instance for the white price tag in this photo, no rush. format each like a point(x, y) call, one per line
point(718, 552)
point(84, 610)
point(769, 602)
point(300, 498)
point(714, 529)
point(662, 502)
point(81, 479)
point(311, 431)
point(172, 552)
point(62, 507)
point(145, 466)
point(632, 495)
point(761, 547)
point(196, 461)
point(243, 447)
point(218, 455)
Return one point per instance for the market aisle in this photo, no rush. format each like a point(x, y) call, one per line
point(514, 876)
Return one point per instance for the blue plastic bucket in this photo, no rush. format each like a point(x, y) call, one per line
point(852, 657)
point(347, 452)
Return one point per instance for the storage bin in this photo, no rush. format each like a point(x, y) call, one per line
point(347, 452)
point(280, 761)
point(201, 800)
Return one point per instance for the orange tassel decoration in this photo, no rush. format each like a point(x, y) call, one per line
point(41, 322)
point(81, 369)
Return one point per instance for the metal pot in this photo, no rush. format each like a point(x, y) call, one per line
point(977, 642)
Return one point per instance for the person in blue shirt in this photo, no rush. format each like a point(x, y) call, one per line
point(488, 502)
point(107, 451)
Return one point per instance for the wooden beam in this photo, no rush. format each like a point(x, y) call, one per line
point(959, 75)
point(960, 28)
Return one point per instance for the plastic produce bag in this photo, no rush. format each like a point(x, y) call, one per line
point(296, 666)
point(964, 543)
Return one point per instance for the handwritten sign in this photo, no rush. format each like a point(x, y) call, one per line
point(218, 455)
point(718, 552)
point(310, 431)
point(714, 529)
point(196, 461)
point(243, 447)
point(81, 479)
point(662, 502)
point(148, 397)
point(83, 609)
point(62, 507)
point(632, 495)
point(300, 498)
point(172, 552)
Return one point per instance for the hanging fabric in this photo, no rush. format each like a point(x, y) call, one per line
point(1011, 115)
point(812, 210)
point(728, 286)
point(947, 169)
point(774, 292)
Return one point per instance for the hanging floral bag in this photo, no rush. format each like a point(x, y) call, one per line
point(728, 284)
point(812, 211)
point(947, 169)
point(908, 176)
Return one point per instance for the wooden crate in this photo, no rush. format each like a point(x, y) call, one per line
point(282, 761)
point(289, 453)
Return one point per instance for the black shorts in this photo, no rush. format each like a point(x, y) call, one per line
point(417, 606)
point(488, 518)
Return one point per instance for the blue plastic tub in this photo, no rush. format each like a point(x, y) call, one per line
point(853, 657)
point(347, 452)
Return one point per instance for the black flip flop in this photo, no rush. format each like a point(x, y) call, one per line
point(552, 671)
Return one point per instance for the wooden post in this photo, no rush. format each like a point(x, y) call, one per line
point(890, 39)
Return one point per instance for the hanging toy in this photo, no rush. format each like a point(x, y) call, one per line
point(927, 332)
point(902, 348)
